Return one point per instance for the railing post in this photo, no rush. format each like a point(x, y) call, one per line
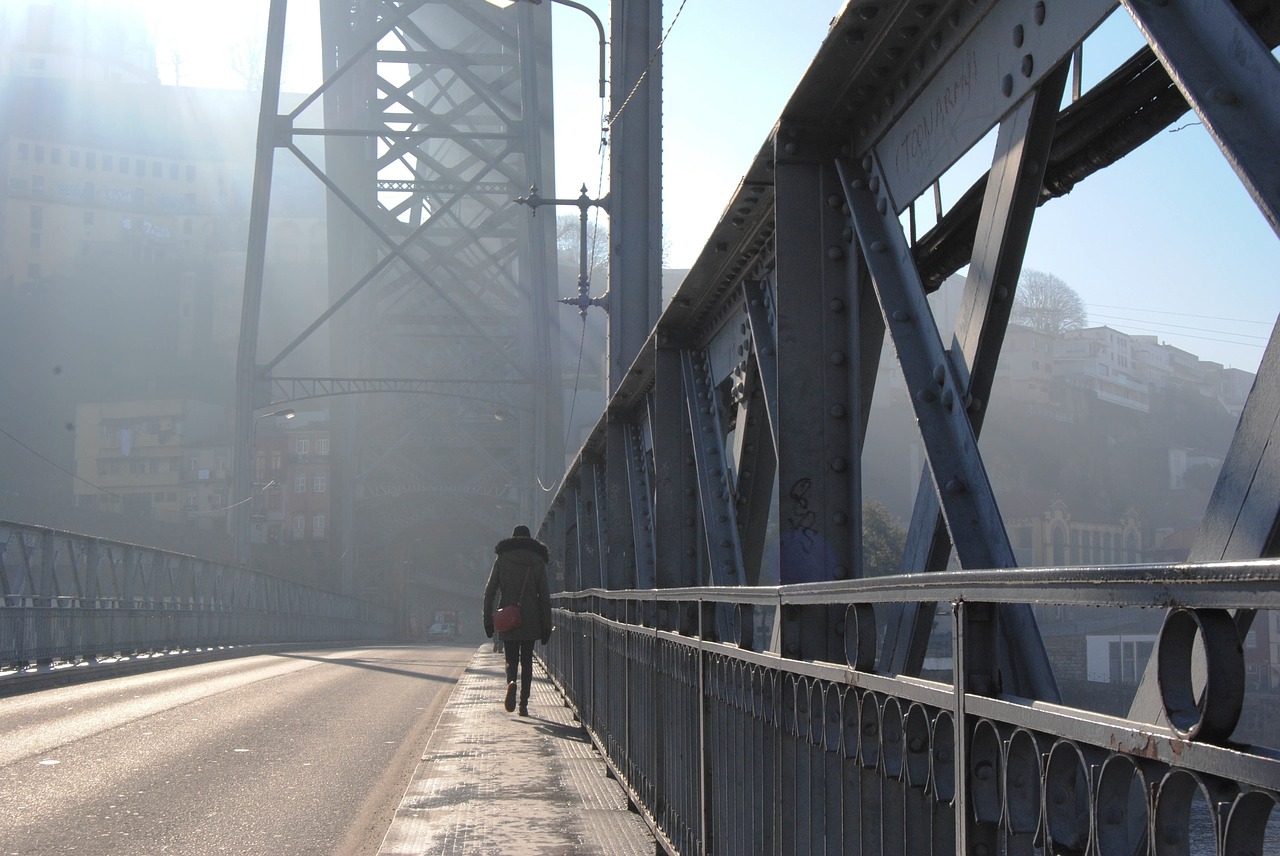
point(959, 674)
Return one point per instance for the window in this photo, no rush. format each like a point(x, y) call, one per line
point(275, 460)
point(301, 445)
point(299, 525)
point(317, 526)
point(140, 167)
point(90, 160)
point(55, 155)
point(108, 163)
point(299, 484)
point(157, 169)
point(173, 172)
point(24, 151)
point(190, 502)
point(35, 240)
point(320, 483)
point(39, 154)
point(124, 166)
point(191, 173)
point(1128, 659)
point(322, 445)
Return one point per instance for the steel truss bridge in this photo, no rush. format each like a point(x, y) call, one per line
point(798, 718)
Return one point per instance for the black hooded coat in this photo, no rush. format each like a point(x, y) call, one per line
point(519, 575)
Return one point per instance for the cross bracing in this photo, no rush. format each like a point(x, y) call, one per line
point(436, 114)
point(747, 408)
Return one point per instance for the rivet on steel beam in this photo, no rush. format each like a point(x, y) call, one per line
point(836, 305)
point(789, 148)
point(1006, 85)
point(926, 396)
point(1038, 13)
point(857, 184)
point(1223, 96)
point(948, 399)
point(955, 486)
point(725, 542)
point(875, 184)
point(1002, 294)
point(867, 163)
point(837, 411)
point(974, 405)
point(837, 358)
point(1028, 65)
point(882, 205)
point(688, 460)
point(834, 201)
point(878, 246)
point(841, 572)
point(1019, 36)
point(901, 315)
point(835, 254)
point(839, 464)
point(840, 518)
point(939, 374)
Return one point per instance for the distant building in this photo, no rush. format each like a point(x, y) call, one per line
point(155, 460)
point(1100, 360)
point(1054, 537)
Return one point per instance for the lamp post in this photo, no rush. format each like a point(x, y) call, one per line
point(241, 520)
point(595, 19)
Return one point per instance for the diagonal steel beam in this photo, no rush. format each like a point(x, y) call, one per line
point(1011, 196)
point(1229, 78)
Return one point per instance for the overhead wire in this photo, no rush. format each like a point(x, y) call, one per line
point(59, 467)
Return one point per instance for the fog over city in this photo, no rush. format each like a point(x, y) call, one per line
point(138, 298)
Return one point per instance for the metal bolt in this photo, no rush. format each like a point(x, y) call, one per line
point(955, 486)
point(1223, 96)
point(875, 184)
point(837, 358)
point(836, 305)
point(983, 772)
point(926, 396)
point(882, 205)
point(838, 464)
point(901, 315)
point(877, 246)
point(837, 411)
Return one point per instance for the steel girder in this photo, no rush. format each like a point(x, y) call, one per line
point(809, 267)
point(436, 115)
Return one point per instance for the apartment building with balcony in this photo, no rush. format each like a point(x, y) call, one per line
point(157, 460)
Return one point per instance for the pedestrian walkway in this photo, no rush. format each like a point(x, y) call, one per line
point(493, 783)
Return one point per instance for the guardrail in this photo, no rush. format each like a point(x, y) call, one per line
point(731, 748)
point(66, 597)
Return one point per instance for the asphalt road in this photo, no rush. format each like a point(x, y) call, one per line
point(307, 752)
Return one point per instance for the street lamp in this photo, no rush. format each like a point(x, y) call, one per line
point(241, 521)
point(503, 4)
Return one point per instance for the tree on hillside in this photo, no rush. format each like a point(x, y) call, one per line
point(882, 541)
point(1044, 302)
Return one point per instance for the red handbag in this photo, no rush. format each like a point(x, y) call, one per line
point(508, 618)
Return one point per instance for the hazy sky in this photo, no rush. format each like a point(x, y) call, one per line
point(1165, 242)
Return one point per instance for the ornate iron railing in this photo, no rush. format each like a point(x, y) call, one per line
point(731, 748)
point(69, 597)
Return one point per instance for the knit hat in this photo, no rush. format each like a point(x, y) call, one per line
point(521, 532)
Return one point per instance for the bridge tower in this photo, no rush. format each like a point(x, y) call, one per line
point(435, 116)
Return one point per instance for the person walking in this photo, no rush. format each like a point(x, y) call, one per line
point(519, 578)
